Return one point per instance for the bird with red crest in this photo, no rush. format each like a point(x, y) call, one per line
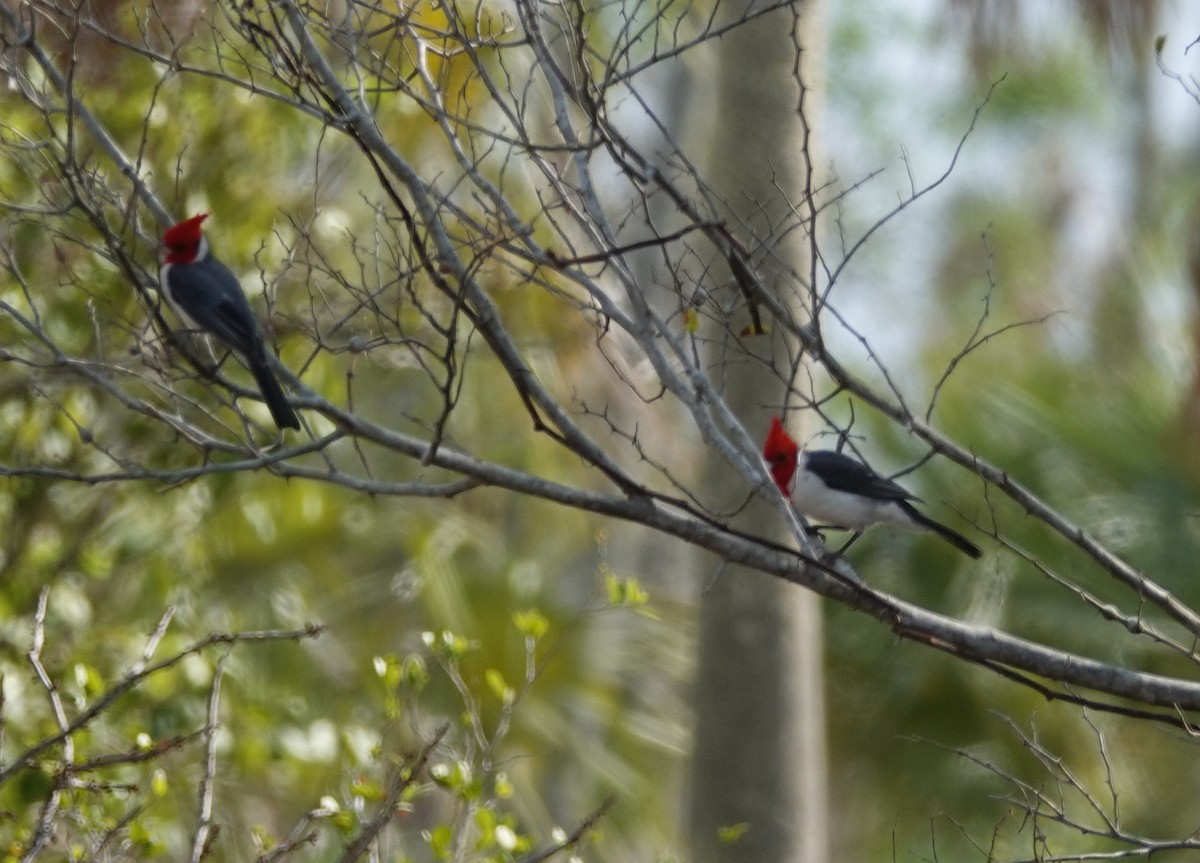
point(206, 295)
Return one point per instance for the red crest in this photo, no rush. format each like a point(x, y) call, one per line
point(781, 453)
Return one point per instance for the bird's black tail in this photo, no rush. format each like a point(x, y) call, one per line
point(272, 394)
point(953, 537)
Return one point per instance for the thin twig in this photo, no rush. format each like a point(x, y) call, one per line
point(206, 831)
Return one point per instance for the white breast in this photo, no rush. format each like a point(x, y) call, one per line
point(825, 506)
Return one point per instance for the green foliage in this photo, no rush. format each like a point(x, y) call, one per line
point(625, 591)
point(137, 786)
point(1084, 402)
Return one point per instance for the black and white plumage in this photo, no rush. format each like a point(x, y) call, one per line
point(834, 490)
point(206, 295)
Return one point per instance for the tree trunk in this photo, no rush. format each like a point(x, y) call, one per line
point(759, 749)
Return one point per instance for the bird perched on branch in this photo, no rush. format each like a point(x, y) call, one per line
point(206, 295)
point(836, 491)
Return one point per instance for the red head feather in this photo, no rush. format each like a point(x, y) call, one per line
point(781, 453)
point(183, 240)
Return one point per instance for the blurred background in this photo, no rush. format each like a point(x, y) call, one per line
point(1069, 216)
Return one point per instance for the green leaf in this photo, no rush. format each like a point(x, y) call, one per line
point(345, 821)
point(531, 623)
point(732, 832)
point(367, 789)
point(158, 783)
point(88, 679)
point(485, 824)
point(449, 645)
point(414, 673)
point(625, 592)
point(387, 669)
point(495, 682)
point(503, 786)
point(441, 841)
point(485, 820)
point(615, 590)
